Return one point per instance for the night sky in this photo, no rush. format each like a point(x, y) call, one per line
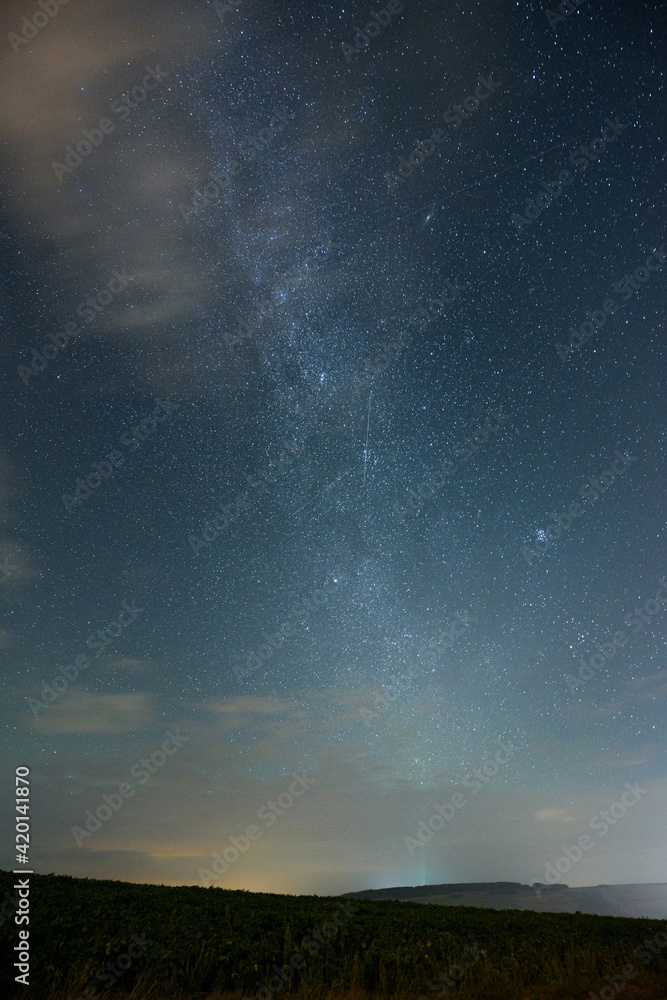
point(332, 442)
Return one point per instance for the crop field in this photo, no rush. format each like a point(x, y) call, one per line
point(107, 939)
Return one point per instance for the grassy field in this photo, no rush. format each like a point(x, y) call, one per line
point(106, 939)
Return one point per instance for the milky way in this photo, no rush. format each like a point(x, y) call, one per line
point(339, 355)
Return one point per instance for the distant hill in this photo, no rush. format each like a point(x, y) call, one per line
point(632, 900)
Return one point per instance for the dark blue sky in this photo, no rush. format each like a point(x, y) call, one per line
point(312, 453)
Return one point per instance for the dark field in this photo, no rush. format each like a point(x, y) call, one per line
point(190, 942)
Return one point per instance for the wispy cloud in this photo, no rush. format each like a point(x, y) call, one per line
point(250, 705)
point(120, 663)
point(652, 687)
point(63, 83)
point(554, 816)
point(82, 713)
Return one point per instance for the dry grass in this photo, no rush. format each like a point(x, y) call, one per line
point(650, 987)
